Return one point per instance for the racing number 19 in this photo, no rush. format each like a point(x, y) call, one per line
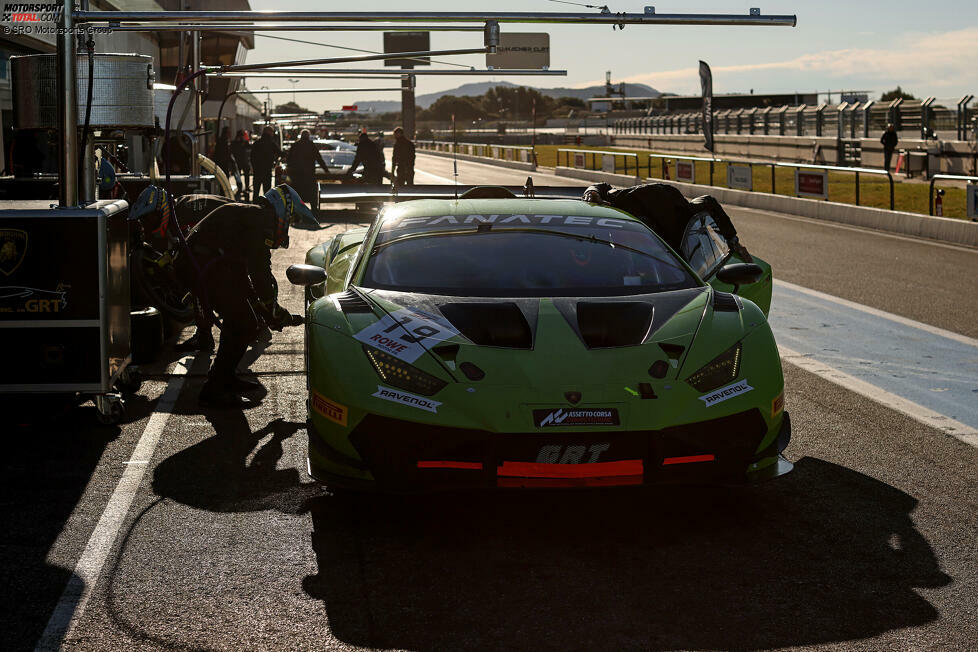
point(420, 332)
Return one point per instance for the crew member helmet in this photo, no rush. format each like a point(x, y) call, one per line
point(152, 201)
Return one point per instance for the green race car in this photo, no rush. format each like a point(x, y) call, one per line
point(512, 342)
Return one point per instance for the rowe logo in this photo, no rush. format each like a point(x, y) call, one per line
point(583, 417)
point(558, 454)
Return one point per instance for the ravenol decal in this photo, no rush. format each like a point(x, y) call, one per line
point(583, 417)
point(402, 332)
point(397, 396)
point(335, 412)
point(722, 394)
point(13, 248)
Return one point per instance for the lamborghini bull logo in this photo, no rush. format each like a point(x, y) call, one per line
point(13, 247)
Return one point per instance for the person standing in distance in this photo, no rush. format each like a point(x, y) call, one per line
point(402, 160)
point(889, 142)
point(302, 159)
point(372, 158)
point(241, 151)
point(264, 154)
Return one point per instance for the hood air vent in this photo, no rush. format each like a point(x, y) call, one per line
point(351, 302)
point(490, 324)
point(616, 323)
point(724, 302)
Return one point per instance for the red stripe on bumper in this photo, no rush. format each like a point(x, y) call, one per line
point(448, 464)
point(595, 470)
point(688, 459)
point(616, 481)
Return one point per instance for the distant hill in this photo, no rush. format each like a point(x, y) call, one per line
point(479, 88)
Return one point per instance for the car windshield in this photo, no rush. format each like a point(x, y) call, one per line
point(523, 256)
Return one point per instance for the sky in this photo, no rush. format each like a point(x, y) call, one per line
point(928, 48)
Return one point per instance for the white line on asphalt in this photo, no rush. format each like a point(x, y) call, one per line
point(73, 600)
point(913, 410)
point(450, 182)
point(933, 330)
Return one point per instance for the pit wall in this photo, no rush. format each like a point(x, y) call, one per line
point(945, 157)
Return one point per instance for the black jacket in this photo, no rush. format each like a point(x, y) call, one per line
point(241, 151)
point(660, 206)
point(235, 234)
point(403, 156)
point(372, 158)
point(264, 153)
point(889, 140)
point(302, 159)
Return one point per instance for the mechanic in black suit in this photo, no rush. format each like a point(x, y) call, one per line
point(665, 210)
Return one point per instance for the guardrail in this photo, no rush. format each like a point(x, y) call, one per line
point(665, 159)
point(515, 153)
point(950, 177)
point(581, 160)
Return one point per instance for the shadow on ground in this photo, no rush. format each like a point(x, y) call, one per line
point(51, 451)
point(823, 554)
point(235, 470)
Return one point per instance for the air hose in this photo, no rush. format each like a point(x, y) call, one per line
point(90, 46)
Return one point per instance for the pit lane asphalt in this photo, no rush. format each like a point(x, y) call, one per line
point(869, 544)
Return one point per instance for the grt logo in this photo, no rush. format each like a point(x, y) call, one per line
point(574, 454)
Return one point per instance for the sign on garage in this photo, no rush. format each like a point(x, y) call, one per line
point(521, 51)
point(812, 184)
point(740, 177)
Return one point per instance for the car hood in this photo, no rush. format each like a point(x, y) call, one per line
point(523, 340)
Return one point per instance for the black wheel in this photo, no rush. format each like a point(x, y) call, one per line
point(130, 382)
point(160, 284)
point(110, 414)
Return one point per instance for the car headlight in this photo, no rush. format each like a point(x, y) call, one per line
point(720, 371)
point(400, 374)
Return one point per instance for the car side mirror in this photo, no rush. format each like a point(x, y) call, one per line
point(307, 274)
point(738, 274)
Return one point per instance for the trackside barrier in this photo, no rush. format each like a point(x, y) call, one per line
point(611, 162)
point(514, 153)
point(665, 161)
point(950, 177)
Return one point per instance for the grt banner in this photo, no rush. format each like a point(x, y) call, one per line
point(812, 184)
point(521, 51)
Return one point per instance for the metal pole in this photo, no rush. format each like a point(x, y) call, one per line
point(407, 105)
point(289, 27)
point(753, 19)
point(67, 109)
point(331, 60)
point(198, 108)
point(87, 191)
point(857, 188)
point(382, 72)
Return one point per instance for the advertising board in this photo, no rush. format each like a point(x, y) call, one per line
point(579, 160)
point(812, 183)
point(686, 171)
point(607, 163)
point(521, 51)
point(407, 42)
point(740, 177)
point(972, 192)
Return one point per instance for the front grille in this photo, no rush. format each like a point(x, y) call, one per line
point(392, 448)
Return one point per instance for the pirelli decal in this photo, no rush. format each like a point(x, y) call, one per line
point(777, 405)
point(335, 412)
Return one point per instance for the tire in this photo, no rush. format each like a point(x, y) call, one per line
point(145, 334)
